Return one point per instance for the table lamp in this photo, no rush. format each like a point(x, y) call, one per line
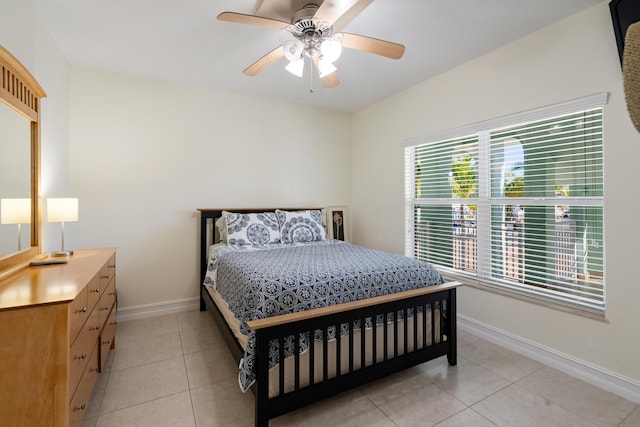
point(62, 210)
point(15, 211)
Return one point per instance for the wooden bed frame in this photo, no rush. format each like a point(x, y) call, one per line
point(321, 319)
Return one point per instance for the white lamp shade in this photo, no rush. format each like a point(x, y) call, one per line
point(331, 49)
point(325, 68)
point(293, 49)
point(62, 210)
point(296, 67)
point(15, 211)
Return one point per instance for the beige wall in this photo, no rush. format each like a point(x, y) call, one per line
point(569, 59)
point(144, 155)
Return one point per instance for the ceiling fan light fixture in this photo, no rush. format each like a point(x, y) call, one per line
point(325, 68)
point(331, 49)
point(293, 49)
point(296, 67)
point(312, 28)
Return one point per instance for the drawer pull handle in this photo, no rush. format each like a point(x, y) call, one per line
point(96, 291)
point(81, 407)
point(93, 370)
point(106, 342)
point(104, 277)
point(114, 323)
point(82, 310)
point(83, 356)
point(95, 328)
point(112, 293)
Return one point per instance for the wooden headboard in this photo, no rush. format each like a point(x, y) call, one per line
point(208, 234)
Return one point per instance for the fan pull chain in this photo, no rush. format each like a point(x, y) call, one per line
point(310, 76)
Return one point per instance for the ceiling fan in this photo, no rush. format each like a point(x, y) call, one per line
point(317, 37)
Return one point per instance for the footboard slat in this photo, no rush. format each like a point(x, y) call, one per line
point(296, 355)
point(281, 367)
point(374, 342)
point(405, 323)
point(395, 334)
point(351, 347)
point(432, 310)
point(362, 342)
point(424, 325)
point(385, 339)
point(415, 329)
point(312, 359)
point(325, 354)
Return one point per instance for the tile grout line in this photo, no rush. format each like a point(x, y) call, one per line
point(184, 361)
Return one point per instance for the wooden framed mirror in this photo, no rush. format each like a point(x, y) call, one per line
point(20, 94)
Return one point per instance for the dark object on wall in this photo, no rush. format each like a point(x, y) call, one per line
point(623, 14)
point(631, 73)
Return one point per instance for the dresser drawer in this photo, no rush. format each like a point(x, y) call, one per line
point(108, 272)
point(107, 337)
point(107, 302)
point(81, 350)
point(78, 314)
point(93, 291)
point(80, 400)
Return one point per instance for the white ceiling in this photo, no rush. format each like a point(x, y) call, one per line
point(182, 41)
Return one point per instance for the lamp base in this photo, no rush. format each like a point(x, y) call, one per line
point(62, 253)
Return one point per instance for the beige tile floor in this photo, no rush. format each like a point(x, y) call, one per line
point(176, 371)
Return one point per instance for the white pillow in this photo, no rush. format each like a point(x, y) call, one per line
point(301, 226)
point(254, 229)
point(221, 226)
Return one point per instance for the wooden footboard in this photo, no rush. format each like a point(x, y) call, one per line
point(438, 301)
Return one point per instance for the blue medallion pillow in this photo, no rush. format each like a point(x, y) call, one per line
point(253, 229)
point(301, 226)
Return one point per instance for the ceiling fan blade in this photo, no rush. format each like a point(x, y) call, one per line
point(371, 45)
point(262, 63)
point(331, 10)
point(330, 80)
point(350, 15)
point(241, 18)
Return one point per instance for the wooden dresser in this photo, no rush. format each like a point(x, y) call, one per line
point(57, 324)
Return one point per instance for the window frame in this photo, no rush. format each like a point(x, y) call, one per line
point(483, 199)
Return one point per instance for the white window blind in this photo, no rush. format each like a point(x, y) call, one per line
point(517, 203)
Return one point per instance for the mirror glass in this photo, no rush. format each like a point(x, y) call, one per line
point(15, 178)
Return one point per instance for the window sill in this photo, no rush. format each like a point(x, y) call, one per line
point(522, 296)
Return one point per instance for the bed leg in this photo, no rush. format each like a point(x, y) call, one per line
point(203, 305)
point(452, 354)
point(261, 421)
point(262, 380)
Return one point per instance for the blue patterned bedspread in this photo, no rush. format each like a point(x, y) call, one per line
point(260, 283)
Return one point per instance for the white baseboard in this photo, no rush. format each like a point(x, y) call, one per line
point(610, 381)
point(157, 309)
point(607, 380)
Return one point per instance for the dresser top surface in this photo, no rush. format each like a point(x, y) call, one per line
point(53, 284)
